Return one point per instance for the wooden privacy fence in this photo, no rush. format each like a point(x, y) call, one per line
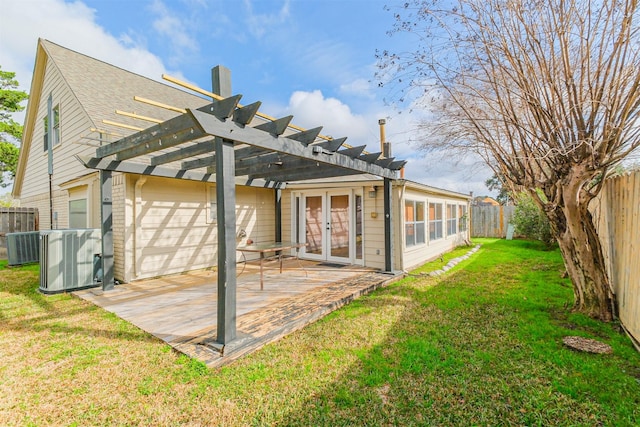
point(617, 216)
point(14, 220)
point(490, 221)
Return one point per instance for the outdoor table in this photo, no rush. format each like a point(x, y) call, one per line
point(276, 247)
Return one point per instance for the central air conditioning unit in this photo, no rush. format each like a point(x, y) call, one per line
point(23, 247)
point(67, 259)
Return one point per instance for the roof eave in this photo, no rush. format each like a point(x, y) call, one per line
point(35, 93)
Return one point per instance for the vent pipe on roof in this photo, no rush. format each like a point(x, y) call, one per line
point(385, 147)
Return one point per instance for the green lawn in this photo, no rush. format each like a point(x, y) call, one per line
point(480, 345)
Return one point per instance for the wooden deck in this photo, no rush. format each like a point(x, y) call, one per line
point(181, 309)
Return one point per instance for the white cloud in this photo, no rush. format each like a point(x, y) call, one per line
point(259, 24)
point(72, 25)
point(312, 109)
point(169, 25)
point(450, 174)
point(461, 174)
point(359, 87)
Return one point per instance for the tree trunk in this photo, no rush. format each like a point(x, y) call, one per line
point(582, 252)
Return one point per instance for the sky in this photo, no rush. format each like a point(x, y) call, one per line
point(314, 59)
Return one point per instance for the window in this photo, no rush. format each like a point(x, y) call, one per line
point(414, 223)
point(435, 221)
point(78, 213)
point(56, 128)
point(452, 216)
point(462, 212)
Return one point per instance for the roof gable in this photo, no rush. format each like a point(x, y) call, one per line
point(100, 89)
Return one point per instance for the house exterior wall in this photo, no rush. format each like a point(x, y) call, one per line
point(373, 217)
point(166, 226)
point(405, 256)
point(287, 216)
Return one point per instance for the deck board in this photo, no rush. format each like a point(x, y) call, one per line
point(181, 309)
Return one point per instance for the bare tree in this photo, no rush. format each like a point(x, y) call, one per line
point(546, 91)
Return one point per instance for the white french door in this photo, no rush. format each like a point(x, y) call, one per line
point(326, 222)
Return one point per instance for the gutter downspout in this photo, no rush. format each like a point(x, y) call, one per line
point(137, 224)
point(50, 156)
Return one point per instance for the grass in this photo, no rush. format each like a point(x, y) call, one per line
point(480, 345)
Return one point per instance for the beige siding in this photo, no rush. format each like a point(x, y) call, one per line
point(73, 125)
point(287, 217)
point(373, 230)
point(41, 202)
point(121, 257)
point(173, 232)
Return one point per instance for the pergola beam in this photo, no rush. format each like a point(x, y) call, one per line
point(174, 131)
point(306, 137)
point(385, 162)
point(198, 163)
point(332, 145)
point(230, 130)
point(276, 127)
point(276, 166)
point(353, 152)
point(244, 115)
point(263, 160)
point(304, 173)
point(397, 165)
point(164, 172)
point(184, 153)
point(370, 157)
point(249, 152)
point(222, 109)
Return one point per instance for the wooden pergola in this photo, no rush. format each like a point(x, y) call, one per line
point(215, 143)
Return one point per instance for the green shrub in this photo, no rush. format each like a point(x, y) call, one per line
point(530, 221)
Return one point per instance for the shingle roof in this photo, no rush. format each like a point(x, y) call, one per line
point(101, 88)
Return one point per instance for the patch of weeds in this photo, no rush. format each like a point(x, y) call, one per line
point(375, 368)
point(148, 386)
point(343, 398)
point(190, 369)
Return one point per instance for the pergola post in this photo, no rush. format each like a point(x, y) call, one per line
point(221, 80)
point(388, 229)
point(226, 214)
point(106, 214)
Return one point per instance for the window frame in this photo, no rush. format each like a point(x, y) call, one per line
point(452, 219)
point(56, 128)
point(417, 236)
point(436, 231)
